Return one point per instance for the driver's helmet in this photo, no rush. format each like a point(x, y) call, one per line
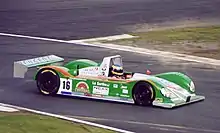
point(117, 70)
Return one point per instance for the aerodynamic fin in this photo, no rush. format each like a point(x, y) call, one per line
point(21, 67)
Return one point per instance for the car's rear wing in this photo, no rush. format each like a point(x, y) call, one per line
point(21, 67)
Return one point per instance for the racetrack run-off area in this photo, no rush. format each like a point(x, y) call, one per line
point(72, 20)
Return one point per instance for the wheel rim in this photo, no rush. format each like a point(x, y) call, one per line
point(47, 82)
point(143, 95)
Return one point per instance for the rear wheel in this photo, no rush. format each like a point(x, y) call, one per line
point(143, 94)
point(48, 81)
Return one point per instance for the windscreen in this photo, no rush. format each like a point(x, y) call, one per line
point(117, 61)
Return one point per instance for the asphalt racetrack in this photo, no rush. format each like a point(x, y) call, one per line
point(83, 19)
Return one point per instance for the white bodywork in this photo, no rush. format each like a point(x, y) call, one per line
point(103, 69)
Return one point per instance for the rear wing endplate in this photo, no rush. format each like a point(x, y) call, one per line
point(21, 67)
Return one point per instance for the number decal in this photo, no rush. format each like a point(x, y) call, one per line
point(65, 86)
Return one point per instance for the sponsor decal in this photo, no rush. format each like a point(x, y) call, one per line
point(78, 93)
point(96, 95)
point(125, 91)
point(82, 87)
point(65, 86)
point(102, 84)
point(91, 69)
point(37, 60)
point(124, 87)
point(104, 67)
point(93, 83)
point(159, 100)
point(100, 90)
point(169, 84)
point(115, 85)
point(103, 73)
point(122, 95)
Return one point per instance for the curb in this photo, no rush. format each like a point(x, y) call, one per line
point(7, 109)
point(108, 38)
point(65, 118)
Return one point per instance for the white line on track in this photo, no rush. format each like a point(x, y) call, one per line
point(162, 54)
point(152, 125)
point(39, 38)
point(65, 118)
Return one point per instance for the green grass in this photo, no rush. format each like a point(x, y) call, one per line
point(31, 123)
point(199, 41)
point(200, 34)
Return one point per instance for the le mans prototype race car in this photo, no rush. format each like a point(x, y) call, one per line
point(87, 78)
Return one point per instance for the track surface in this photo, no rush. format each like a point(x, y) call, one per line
point(68, 19)
point(62, 20)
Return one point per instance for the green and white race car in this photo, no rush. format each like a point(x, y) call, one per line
point(89, 79)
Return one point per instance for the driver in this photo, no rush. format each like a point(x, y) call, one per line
point(116, 71)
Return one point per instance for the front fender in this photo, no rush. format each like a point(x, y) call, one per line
point(180, 79)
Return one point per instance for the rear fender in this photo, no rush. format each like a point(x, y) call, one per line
point(62, 71)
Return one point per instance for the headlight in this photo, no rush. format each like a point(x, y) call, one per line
point(192, 86)
point(167, 93)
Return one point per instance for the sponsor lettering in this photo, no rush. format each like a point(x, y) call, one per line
point(37, 60)
point(93, 83)
point(91, 69)
point(124, 87)
point(102, 84)
point(168, 84)
point(65, 85)
point(115, 85)
point(88, 72)
point(78, 93)
point(122, 95)
point(82, 87)
point(125, 91)
point(100, 90)
point(104, 68)
point(96, 95)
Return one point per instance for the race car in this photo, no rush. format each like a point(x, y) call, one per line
point(107, 80)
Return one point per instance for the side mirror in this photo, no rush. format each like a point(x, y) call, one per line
point(148, 72)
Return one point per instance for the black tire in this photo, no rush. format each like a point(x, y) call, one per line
point(143, 94)
point(48, 81)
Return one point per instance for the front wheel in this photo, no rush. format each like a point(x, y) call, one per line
point(48, 81)
point(143, 94)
